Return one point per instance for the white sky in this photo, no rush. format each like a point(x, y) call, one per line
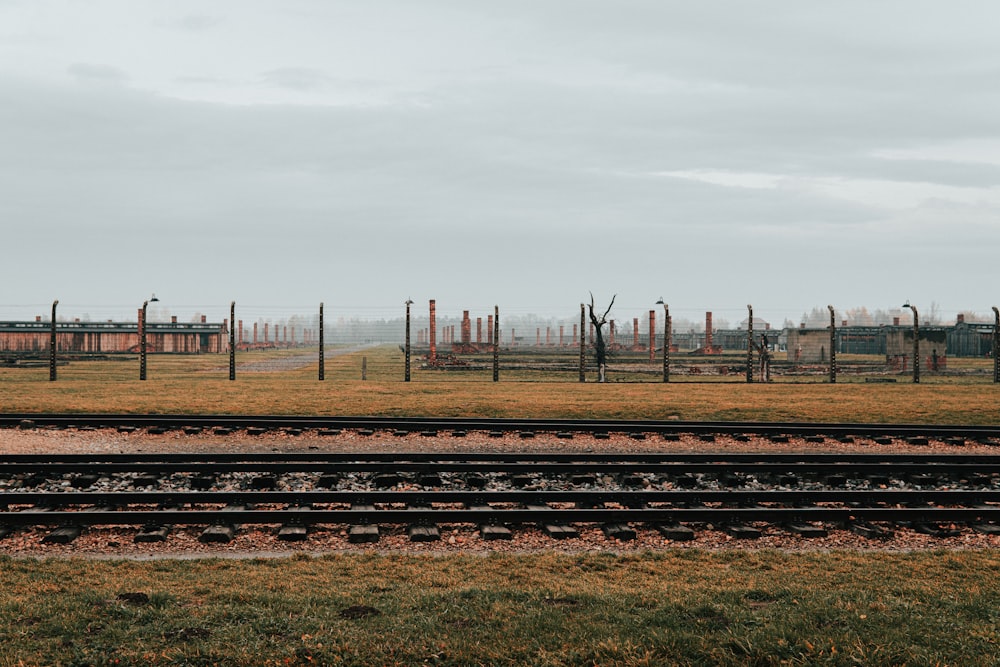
point(521, 153)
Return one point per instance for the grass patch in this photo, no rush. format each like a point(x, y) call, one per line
point(199, 384)
point(664, 608)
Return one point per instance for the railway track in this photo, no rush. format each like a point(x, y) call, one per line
point(676, 494)
point(435, 425)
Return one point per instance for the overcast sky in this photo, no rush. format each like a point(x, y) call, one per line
point(785, 154)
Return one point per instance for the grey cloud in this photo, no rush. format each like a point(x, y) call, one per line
point(203, 80)
point(543, 153)
point(192, 23)
point(295, 78)
point(97, 73)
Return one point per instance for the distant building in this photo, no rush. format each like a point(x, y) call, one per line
point(895, 342)
point(25, 338)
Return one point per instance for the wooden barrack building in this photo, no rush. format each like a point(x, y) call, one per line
point(114, 337)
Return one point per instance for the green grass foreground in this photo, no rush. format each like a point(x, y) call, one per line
point(683, 607)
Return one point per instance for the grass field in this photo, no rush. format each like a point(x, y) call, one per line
point(593, 609)
point(671, 607)
point(199, 384)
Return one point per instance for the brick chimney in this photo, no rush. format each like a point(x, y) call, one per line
point(466, 328)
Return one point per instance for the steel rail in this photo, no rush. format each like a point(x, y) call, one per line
point(404, 458)
point(677, 497)
point(534, 468)
point(494, 516)
point(489, 424)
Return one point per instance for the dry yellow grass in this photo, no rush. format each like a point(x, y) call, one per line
point(199, 384)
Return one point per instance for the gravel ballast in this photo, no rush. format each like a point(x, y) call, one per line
point(255, 541)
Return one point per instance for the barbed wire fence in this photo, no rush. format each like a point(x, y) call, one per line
point(421, 342)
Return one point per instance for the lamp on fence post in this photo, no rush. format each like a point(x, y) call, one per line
point(666, 339)
point(142, 338)
point(833, 347)
point(322, 369)
point(232, 340)
point(750, 344)
point(406, 376)
point(996, 345)
point(52, 344)
point(916, 343)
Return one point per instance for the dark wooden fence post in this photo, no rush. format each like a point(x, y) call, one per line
point(406, 376)
point(833, 346)
point(52, 344)
point(322, 361)
point(232, 340)
point(666, 343)
point(496, 343)
point(142, 342)
point(996, 345)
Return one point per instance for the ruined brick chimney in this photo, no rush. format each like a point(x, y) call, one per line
point(708, 331)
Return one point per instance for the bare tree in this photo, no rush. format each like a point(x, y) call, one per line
point(600, 349)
